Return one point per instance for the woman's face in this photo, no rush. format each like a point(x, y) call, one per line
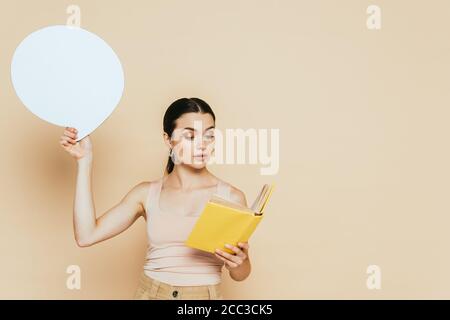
point(193, 139)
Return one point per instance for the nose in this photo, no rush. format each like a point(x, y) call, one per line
point(200, 143)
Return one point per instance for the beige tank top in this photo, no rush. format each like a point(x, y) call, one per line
point(168, 259)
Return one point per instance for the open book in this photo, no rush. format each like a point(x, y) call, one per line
point(223, 221)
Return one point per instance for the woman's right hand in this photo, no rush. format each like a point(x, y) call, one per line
point(78, 149)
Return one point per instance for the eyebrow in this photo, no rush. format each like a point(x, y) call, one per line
point(192, 129)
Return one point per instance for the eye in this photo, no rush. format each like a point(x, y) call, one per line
point(209, 135)
point(189, 136)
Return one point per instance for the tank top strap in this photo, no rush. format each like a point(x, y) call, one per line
point(223, 190)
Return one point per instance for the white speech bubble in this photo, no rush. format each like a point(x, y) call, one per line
point(68, 76)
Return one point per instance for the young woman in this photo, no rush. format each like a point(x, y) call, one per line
point(170, 206)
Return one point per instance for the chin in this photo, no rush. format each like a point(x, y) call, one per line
point(199, 165)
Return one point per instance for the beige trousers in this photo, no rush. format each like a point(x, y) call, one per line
point(152, 289)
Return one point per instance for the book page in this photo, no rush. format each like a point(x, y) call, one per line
point(266, 198)
point(227, 203)
point(257, 200)
point(261, 199)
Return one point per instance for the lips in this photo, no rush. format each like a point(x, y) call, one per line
point(200, 157)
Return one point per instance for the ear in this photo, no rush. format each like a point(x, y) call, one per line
point(167, 140)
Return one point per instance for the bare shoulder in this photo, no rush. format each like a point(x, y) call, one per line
point(141, 189)
point(138, 193)
point(236, 194)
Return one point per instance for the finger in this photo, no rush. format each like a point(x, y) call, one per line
point(236, 250)
point(220, 257)
point(65, 143)
point(232, 264)
point(70, 134)
point(228, 262)
point(71, 129)
point(230, 257)
point(68, 139)
point(244, 245)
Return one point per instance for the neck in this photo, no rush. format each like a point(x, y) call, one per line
point(185, 177)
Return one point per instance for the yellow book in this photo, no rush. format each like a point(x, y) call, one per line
point(223, 221)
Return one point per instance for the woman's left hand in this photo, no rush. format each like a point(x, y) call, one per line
point(236, 259)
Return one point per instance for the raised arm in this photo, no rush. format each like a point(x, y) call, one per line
point(88, 229)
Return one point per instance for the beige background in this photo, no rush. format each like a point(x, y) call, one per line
point(363, 118)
